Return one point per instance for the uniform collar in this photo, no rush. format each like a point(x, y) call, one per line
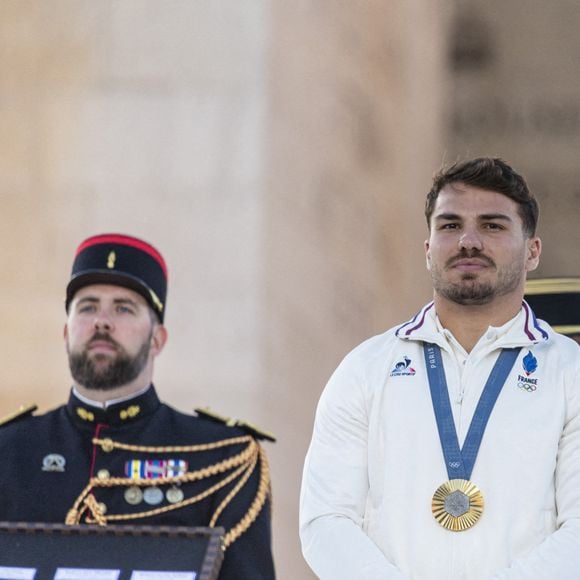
point(523, 330)
point(116, 414)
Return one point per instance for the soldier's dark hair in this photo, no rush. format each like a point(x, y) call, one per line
point(493, 174)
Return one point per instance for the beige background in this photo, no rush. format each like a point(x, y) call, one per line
point(278, 154)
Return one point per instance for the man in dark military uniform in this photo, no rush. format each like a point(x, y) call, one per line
point(557, 301)
point(116, 454)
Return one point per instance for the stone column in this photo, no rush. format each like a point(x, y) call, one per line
point(355, 131)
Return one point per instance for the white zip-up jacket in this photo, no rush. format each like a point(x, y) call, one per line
point(375, 460)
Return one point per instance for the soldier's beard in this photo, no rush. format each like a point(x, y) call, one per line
point(103, 372)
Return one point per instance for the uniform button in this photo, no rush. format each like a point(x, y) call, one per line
point(103, 474)
point(103, 508)
point(107, 445)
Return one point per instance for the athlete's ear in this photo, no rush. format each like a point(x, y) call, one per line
point(427, 255)
point(534, 251)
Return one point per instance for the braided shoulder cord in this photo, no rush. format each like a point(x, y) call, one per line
point(98, 517)
point(224, 503)
point(108, 445)
point(244, 464)
point(253, 511)
point(241, 458)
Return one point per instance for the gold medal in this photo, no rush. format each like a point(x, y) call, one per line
point(457, 505)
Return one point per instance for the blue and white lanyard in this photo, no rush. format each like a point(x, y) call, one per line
point(460, 462)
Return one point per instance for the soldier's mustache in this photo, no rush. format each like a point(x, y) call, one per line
point(103, 337)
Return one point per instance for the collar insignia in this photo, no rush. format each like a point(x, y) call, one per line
point(85, 414)
point(130, 412)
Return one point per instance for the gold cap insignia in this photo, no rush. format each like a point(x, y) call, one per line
point(111, 259)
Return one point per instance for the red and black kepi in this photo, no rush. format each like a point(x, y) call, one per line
point(123, 261)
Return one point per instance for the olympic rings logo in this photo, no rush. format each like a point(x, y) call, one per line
point(527, 387)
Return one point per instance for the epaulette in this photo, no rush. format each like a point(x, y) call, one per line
point(24, 411)
point(252, 429)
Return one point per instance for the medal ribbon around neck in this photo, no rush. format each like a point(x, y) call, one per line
point(458, 504)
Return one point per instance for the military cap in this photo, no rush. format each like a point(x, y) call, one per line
point(557, 301)
point(123, 261)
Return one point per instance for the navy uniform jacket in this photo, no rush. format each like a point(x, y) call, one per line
point(48, 460)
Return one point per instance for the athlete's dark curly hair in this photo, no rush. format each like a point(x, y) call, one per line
point(493, 174)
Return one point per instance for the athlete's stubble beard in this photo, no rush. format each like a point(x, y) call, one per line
point(469, 290)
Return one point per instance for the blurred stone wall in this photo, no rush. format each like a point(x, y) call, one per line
point(148, 118)
point(516, 93)
point(355, 132)
point(125, 116)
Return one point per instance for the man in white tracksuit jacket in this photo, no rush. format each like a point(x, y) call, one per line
point(376, 456)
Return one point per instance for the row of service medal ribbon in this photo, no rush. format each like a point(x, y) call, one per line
point(154, 469)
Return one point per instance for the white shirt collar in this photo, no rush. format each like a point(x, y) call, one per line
point(108, 403)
